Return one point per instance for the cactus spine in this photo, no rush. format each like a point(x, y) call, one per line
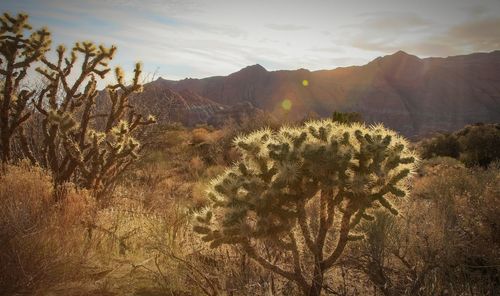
point(77, 146)
point(18, 52)
point(304, 190)
point(83, 141)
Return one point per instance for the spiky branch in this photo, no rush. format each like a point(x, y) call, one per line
point(76, 146)
point(306, 187)
point(18, 52)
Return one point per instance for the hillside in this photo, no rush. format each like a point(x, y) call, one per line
point(409, 94)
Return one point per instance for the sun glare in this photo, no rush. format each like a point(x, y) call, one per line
point(286, 104)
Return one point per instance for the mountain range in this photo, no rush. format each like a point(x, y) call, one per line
point(411, 95)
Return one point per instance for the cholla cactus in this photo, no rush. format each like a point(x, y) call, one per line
point(304, 190)
point(77, 146)
point(18, 52)
point(71, 147)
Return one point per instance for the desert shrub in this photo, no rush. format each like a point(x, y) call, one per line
point(474, 145)
point(442, 144)
point(462, 231)
point(444, 242)
point(161, 137)
point(347, 117)
point(42, 243)
point(479, 144)
point(288, 185)
point(206, 144)
point(197, 166)
point(435, 165)
point(376, 250)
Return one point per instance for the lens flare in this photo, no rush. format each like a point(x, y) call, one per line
point(305, 82)
point(286, 104)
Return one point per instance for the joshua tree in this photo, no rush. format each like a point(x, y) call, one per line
point(303, 191)
point(18, 52)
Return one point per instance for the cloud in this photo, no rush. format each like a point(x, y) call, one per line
point(165, 7)
point(480, 34)
point(286, 27)
point(470, 36)
point(329, 49)
point(390, 32)
point(197, 38)
point(348, 61)
point(476, 10)
point(392, 21)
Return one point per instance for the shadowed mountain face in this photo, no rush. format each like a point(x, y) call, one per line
point(169, 106)
point(184, 106)
point(408, 94)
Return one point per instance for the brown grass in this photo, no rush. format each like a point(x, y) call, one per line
point(42, 242)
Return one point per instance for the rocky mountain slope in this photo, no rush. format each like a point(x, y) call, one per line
point(406, 93)
point(167, 105)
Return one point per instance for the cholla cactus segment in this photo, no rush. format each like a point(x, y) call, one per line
point(151, 119)
point(64, 120)
point(20, 50)
point(95, 137)
point(73, 150)
point(119, 74)
point(121, 129)
point(279, 172)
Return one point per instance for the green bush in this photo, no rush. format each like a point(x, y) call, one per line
point(347, 117)
point(440, 145)
point(475, 145)
point(479, 144)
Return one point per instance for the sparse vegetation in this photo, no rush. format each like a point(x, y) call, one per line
point(42, 243)
point(303, 209)
point(347, 117)
point(474, 145)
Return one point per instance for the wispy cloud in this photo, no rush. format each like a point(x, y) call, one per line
point(196, 38)
point(391, 21)
point(388, 34)
point(286, 27)
point(478, 34)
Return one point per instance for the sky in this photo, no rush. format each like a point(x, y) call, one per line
point(177, 39)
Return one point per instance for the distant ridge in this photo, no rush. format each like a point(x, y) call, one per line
point(405, 92)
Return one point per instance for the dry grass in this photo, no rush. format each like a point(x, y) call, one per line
point(42, 242)
point(141, 242)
